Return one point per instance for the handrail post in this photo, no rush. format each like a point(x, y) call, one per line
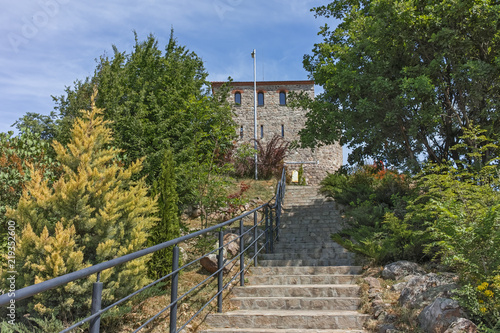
point(220, 263)
point(97, 287)
point(174, 289)
point(271, 229)
point(242, 255)
point(266, 228)
point(255, 245)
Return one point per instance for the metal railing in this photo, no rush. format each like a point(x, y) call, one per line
point(269, 223)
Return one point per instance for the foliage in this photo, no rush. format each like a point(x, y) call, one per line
point(302, 179)
point(270, 158)
point(376, 201)
point(93, 212)
point(463, 201)
point(169, 225)
point(242, 159)
point(235, 202)
point(403, 79)
point(17, 154)
point(155, 100)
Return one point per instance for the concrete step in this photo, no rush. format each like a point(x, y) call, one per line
point(302, 279)
point(307, 262)
point(309, 246)
point(284, 238)
point(298, 290)
point(326, 255)
point(297, 303)
point(304, 270)
point(284, 319)
point(277, 330)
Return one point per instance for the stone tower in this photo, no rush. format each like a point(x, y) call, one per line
point(275, 117)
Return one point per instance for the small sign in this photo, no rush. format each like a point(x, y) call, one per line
point(295, 176)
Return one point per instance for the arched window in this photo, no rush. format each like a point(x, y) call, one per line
point(282, 98)
point(237, 98)
point(260, 99)
point(241, 132)
point(282, 131)
point(261, 131)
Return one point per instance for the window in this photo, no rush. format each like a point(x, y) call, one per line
point(260, 99)
point(282, 131)
point(282, 98)
point(237, 98)
point(261, 131)
point(241, 132)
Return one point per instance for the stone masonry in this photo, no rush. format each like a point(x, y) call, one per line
point(274, 118)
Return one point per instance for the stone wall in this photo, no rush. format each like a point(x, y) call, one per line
point(275, 119)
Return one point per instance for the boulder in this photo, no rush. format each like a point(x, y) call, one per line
point(398, 286)
point(210, 263)
point(462, 325)
point(399, 269)
point(438, 316)
point(417, 291)
point(232, 244)
point(374, 283)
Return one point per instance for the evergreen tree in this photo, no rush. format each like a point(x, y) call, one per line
point(94, 212)
point(168, 227)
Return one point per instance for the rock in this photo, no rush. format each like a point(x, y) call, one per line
point(414, 293)
point(428, 296)
point(387, 328)
point(195, 213)
point(400, 269)
point(374, 283)
point(183, 255)
point(438, 316)
point(210, 263)
point(462, 325)
point(398, 286)
point(232, 244)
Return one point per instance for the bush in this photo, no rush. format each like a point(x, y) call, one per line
point(270, 157)
point(376, 201)
point(463, 202)
point(94, 212)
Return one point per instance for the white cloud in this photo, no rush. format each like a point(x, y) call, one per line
point(221, 32)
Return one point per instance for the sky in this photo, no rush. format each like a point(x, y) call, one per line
point(45, 45)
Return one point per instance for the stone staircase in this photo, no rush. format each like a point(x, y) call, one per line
point(307, 284)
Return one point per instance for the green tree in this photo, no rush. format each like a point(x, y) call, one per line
point(93, 212)
point(169, 226)
point(402, 79)
point(17, 155)
point(155, 100)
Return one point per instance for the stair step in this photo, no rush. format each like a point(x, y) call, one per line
point(302, 279)
point(298, 290)
point(297, 303)
point(306, 246)
point(304, 262)
point(283, 319)
point(306, 270)
point(326, 256)
point(277, 330)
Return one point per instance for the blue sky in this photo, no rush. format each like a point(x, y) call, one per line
point(45, 45)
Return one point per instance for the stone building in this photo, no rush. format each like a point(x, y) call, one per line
point(275, 117)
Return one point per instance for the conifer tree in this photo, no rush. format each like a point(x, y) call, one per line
point(94, 212)
point(168, 227)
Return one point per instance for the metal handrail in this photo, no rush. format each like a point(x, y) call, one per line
point(271, 232)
